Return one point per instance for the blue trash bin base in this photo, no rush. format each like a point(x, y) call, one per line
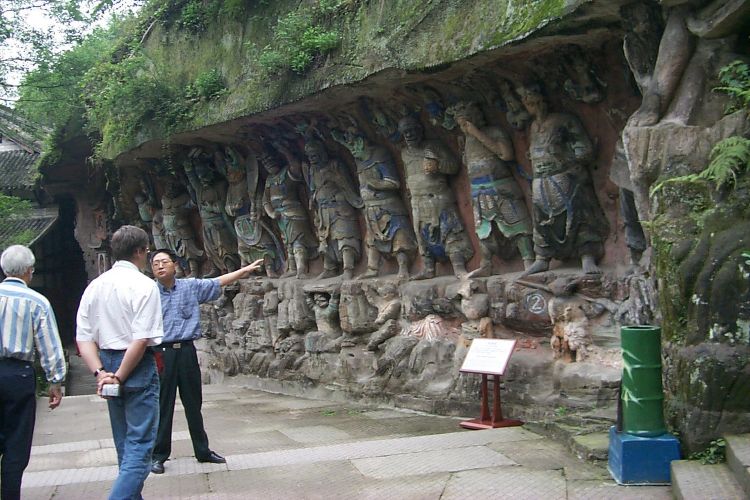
point(637, 460)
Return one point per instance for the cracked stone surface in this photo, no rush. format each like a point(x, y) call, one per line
point(281, 446)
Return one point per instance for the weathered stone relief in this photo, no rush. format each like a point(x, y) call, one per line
point(439, 229)
point(210, 192)
point(488, 209)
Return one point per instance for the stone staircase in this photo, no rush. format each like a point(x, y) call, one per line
point(692, 480)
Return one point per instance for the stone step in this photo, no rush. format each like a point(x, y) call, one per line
point(586, 434)
point(692, 480)
point(738, 459)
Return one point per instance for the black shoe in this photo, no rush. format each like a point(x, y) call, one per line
point(213, 458)
point(157, 467)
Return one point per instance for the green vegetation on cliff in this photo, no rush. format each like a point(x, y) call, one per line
point(182, 65)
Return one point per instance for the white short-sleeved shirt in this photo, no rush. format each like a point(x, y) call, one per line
point(118, 307)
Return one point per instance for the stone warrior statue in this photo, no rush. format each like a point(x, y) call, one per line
point(389, 230)
point(567, 217)
point(255, 239)
point(329, 337)
point(210, 192)
point(150, 213)
point(496, 196)
point(282, 203)
point(335, 200)
point(178, 232)
point(440, 233)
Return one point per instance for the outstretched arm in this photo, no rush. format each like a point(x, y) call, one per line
point(229, 278)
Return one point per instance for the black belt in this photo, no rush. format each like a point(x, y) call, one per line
point(175, 345)
point(15, 360)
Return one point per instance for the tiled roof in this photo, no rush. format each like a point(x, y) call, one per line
point(17, 170)
point(23, 132)
point(27, 229)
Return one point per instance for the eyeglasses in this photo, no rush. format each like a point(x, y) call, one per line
point(161, 262)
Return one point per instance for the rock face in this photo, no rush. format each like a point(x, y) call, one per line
point(382, 340)
point(421, 149)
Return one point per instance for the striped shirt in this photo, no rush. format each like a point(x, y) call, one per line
point(26, 319)
point(181, 307)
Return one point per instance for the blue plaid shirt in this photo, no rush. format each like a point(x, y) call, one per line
point(180, 307)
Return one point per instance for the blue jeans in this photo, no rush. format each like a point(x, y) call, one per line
point(134, 417)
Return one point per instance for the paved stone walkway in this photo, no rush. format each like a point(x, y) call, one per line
point(286, 447)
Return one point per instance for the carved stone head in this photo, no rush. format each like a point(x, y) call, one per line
point(321, 299)
point(411, 129)
point(532, 97)
point(470, 111)
point(205, 173)
point(316, 153)
point(270, 162)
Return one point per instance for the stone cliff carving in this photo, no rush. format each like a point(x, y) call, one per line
point(325, 306)
point(389, 231)
point(255, 237)
point(178, 232)
point(582, 84)
point(568, 220)
point(281, 201)
point(497, 199)
point(440, 232)
point(515, 113)
point(334, 199)
point(388, 301)
point(218, 239)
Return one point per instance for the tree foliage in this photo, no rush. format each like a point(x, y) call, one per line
point(27, 41)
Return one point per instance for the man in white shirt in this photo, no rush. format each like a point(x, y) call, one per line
point(118, 319)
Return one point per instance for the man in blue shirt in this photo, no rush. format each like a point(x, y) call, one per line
point(26, 319)
point(180, 302)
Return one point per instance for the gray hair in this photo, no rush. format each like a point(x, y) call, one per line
point(126, 241)
point(16, 260)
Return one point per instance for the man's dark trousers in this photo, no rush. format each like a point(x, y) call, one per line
point(181, 371)
point(17, 415)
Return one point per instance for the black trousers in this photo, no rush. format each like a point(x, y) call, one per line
point(181, 371)
point(17, 416)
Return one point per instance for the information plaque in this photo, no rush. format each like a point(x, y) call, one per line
point(488, 356)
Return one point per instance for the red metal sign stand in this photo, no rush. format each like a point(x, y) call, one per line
point(487, 421)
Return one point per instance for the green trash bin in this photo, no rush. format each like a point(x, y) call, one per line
point(642, 396)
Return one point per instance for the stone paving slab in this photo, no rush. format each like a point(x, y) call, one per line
point(513, 483)
point(285, 447)
point(692, 480)
point(606, 490)
point(316, 434)
point(323, 481)
point(69, 476)
point(738, 459)
point(539, 454)
point(428, 462)
point(78, 460)
point(385, 414)
point(367, 449)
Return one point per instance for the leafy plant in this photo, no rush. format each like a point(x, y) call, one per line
point(11, 206)
point(714, 453)
point(729, 158)
point(735, 81)
point(196, 14)
point(208, 85)
point(299, 37)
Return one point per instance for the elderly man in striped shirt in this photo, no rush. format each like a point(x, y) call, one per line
point(26, 319)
